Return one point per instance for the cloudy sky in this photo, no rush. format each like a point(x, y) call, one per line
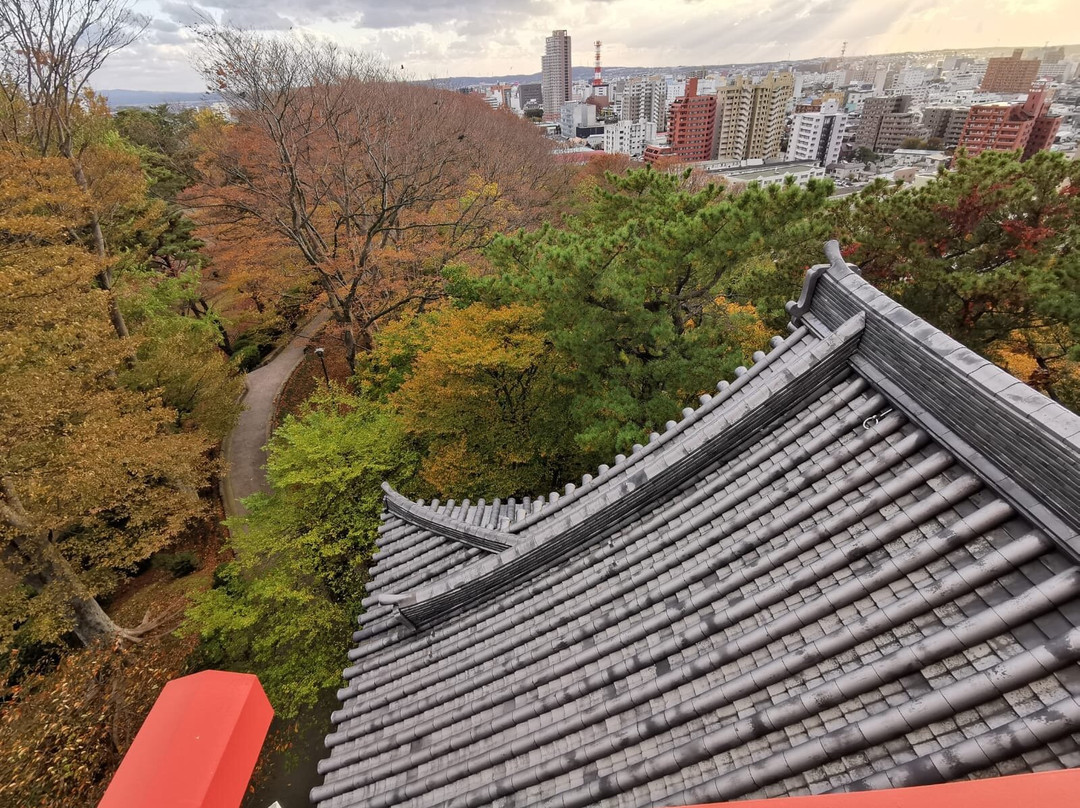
point(439, 38)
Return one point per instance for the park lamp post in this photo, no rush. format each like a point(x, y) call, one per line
point(319, 352)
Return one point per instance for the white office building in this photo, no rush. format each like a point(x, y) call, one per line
point(818, 135)
point(574, 114)
point(628, 137)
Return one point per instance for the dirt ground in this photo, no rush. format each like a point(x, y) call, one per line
point(309, 373)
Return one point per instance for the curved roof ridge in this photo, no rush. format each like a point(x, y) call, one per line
point(673, 429)
point(503, 520)
point(1020, 442)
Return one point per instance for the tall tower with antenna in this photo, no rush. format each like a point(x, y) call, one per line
point(598, 78)
point(843, 50)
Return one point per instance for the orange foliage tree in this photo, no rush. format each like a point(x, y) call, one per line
point(49, 50)
point(377, 185)
point(94, 476)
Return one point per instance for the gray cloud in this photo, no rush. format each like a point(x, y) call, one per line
point(770, 33)
point(159, 24)
point(258, 18)
point(183, 13)
point(490, 36)
point(374, 14)
point(154, 62)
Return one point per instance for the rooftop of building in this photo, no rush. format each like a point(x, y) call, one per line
point(767, 171)
point(929, 154)
point(853, 567)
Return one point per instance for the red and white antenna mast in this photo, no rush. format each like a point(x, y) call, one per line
point(597, 77)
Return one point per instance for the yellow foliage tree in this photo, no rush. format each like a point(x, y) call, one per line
point(93, 476)
point(742, 326)
point(484, 397)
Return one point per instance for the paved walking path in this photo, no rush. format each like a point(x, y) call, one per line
point(245, 448)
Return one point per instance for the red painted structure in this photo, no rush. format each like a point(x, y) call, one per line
point(1009, 127)
point(197, 747)
point(1056, 789)
point(655, 152)
point(692, 124)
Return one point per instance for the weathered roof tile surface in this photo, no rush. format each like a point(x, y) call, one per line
point(852, 567)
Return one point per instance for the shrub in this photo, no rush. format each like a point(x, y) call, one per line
point(178, 564)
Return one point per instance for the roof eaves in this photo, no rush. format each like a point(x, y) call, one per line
point(483, 538)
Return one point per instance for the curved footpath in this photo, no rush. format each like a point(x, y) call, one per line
point(245, 448)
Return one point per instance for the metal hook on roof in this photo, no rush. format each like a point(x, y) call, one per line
point(873, 420)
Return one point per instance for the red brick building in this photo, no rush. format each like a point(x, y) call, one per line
point(1044, 127)
point(995, 127)
point(692, 125)
point(655, 152)
point(1010, 74)
point(1026, 127)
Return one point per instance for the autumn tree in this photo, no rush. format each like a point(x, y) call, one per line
point(987, 252)
point(94, 475)
point(636, 291)
point(480, 391)
point(376, 184)
point(49, 50)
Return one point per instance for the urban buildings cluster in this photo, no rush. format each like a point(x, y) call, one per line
point(851, 118)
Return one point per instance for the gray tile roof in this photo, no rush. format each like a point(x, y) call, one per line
point(855, 566)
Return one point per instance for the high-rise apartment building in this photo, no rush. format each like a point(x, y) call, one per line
point(692, 125)
point(752, 115)
point(886, 123)
point(1010, 74)
point(1026, 127)
point(884, 79)
point(818, 135)
point(1043, 131)
point(555, 66)
point(1044, 126)
point(644, 100)
point(995, 127)
point(945, 123)
point(895, 129)
point(1054, 54)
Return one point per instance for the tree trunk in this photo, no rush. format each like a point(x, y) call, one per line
point(350, 345)
point(200, 309)
point(104, 278)
point(92, 624)
point(226, 343)
point(341, 310)
point(49, 568)
point(115, 315)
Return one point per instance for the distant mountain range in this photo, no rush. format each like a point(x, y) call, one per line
point(151, 98)
point(578, 74)
point(586, 73)
point(148, 98)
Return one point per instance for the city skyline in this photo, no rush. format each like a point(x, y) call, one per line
point(490, 39)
